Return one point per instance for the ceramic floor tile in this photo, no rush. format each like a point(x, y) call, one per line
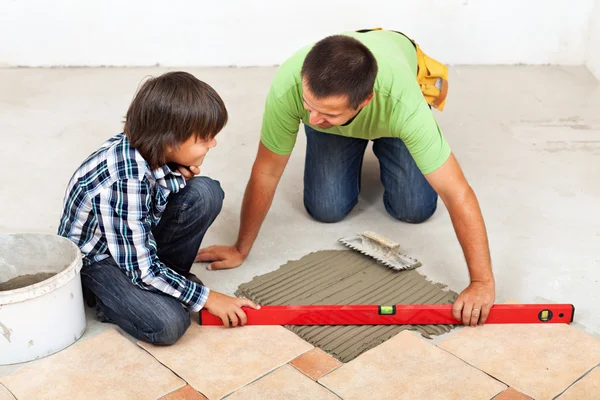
point(107, 366)
point(5, 394)
point(588, 388)
point(315, 363)
point(284, 383)
point(407, 367)
point(217, 361)
point(537, 360)
point(511, 394)
point(185, 393)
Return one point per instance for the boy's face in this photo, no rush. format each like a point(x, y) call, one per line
point(190, 153)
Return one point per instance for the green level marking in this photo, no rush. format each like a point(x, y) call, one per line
point(386, 310)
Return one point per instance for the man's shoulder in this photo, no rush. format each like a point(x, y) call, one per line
point(288, 75)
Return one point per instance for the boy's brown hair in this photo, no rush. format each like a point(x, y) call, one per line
point(170, 109)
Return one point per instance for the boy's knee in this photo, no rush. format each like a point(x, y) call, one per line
point(326, 212)
point(169, 328)
point(205, 193)
point(414, 214)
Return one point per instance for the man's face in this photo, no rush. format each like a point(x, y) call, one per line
point(330, 111)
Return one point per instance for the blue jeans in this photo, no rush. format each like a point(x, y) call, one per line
point(150, 316)
point(332, 178)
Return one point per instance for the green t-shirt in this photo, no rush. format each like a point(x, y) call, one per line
point(398, 108)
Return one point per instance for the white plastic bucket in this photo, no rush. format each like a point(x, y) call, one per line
point(40, 318)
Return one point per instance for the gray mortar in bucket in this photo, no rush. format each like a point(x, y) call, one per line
point(25, 260)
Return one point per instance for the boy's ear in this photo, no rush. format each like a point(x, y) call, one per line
point(168, 154)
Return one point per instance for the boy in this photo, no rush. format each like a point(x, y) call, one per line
point(137, 221)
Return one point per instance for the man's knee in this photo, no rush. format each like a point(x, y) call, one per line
point(327, 212)
point(414, 213)
point(169, 328)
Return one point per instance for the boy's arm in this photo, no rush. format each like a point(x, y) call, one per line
point(123, 218)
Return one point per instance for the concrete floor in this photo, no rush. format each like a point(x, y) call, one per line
point(528, 140)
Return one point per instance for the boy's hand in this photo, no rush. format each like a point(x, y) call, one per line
point(220, 257)
point(188, 172)
point(229, 309)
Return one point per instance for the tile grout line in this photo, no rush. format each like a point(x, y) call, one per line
point(262, 376)
point(251, 382)
point(576, 380)
point(478, 369)
point(326, 373)
point(322, 376)
point(173, 372)
point(329, 390)
point(8, 390)
point(523, 392)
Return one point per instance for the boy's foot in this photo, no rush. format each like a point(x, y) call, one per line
point(89, 298)
point(194, 278)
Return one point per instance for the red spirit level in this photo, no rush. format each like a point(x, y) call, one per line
point(401, 314)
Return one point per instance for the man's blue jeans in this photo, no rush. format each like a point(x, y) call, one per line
point(150, 316)
point(332, 178)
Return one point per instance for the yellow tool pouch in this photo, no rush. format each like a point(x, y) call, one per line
point(432, 76)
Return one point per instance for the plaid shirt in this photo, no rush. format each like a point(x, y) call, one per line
point(112, 203)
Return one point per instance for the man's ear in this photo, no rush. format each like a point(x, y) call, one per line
point(367, 100)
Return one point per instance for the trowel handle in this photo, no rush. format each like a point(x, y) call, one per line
point(381, 240)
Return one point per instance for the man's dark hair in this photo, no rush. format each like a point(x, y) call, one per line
point(340, 65)
point(170, 109)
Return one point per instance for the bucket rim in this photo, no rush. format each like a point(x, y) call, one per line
point(48, 285)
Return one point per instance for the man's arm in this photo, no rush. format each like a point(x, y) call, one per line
point(473, 304)
point(266, 173)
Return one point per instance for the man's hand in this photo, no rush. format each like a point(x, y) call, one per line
point(473, 305)
point(188, 172)
point(221, 257)
point(229, 309)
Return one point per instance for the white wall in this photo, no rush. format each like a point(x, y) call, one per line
point(255, 32)
point(593, 54)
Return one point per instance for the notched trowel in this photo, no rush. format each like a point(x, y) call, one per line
point(381, 249)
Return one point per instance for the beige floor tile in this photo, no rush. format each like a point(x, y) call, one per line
point(511, 394)
point(315, 363)
point(217, 361)
point(537, 360)
point(284, 383)
point(185, 393)
point(407, 367)
point(107, 366)
point(5, 394)
point(588, 388)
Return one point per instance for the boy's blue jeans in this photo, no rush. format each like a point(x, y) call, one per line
point(150, 316)
point(332, 178)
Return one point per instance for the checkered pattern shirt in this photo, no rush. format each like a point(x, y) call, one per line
point(112, 203)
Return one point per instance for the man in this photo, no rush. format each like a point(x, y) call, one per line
point(349, 89)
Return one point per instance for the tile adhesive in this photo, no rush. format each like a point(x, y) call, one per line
point(346, 277)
